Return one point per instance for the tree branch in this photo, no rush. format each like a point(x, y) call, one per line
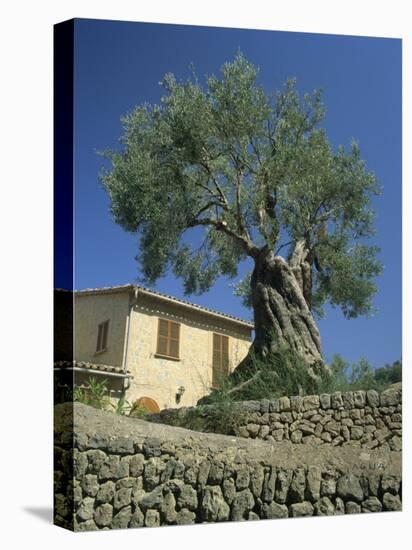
point(239, 219)
point(250, 248)
point(206, 207)
point(205, 164)
point(283, 246)
point(222, 202)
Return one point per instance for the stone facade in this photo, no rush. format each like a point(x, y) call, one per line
point(133, 315)
point(362, 418)
point(124, 472)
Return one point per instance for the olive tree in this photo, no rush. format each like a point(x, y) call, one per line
point(255, 174)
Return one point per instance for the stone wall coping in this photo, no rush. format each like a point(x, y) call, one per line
point(337, 400)
point(91, 428)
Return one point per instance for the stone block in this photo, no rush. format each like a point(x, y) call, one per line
point(348, 401)
point(213, 506)
point(296, 436)
point(136, 465)
point(311, 402)
point(352, 507)
point(325, 401)
point(242, 504)
point(122, 498)
point(372, 504)
point(390, 483)
point(273, 510)
point(86, 509)
point(336, 400)
point(372, 398)
point(349, 488)
point(296, 403)
point(391, 396)
point(106, 493)
point(359, 398)
point(391, 503)
point(284, 478)
point(301, 509)
point(152, 518)
point(313, 482)
point(103, 515)
point(284, 404)
point(324, 507)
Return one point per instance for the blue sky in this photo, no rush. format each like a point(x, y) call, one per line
point(119, 65)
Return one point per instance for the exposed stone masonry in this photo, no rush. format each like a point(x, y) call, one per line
point(125, 472)
point(365, 419)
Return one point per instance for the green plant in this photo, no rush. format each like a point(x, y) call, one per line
point(94, 394)
point(222, 416)
point(281, 373)
point(284, 372)
point(360, 376)
point(122, 406)
point(389, 374)
point(137, 411)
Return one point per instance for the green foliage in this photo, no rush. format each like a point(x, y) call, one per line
point(361, 375)
point(245, 169)
point(224, 416)
point(346, 377)
point(346, 279)
point(137, 411)
point(281, 373)
point(285, 373)
point(122, 407)
point(94, 394)
point(389, 374)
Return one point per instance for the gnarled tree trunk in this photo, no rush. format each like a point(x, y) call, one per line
point(281, 298)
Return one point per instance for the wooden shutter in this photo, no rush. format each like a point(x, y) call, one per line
point(220, 367)
point(168, 337)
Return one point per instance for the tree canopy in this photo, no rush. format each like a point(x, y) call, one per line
point(254, 171)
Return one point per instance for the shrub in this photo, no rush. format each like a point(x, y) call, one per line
point(361, 375)
point(285, 373)
point(282, 373)
point(389, 374)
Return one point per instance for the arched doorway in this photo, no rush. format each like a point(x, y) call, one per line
point(148, 404)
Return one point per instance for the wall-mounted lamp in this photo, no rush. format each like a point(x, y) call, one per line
point(180, 391)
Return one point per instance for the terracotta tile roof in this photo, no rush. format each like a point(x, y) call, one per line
point(90, 366)
point(166, 297)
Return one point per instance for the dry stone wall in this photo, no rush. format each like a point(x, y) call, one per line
point(360, 419)
point(125, 472)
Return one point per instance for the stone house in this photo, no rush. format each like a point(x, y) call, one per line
point(153, 348)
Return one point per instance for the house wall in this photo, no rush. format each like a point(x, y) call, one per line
point(160, 378)
point(90, 311)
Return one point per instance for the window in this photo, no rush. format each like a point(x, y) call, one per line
point(102, 333)
point(220, 359)
point(168, 339)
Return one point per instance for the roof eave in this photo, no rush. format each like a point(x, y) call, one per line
point(165, 298)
